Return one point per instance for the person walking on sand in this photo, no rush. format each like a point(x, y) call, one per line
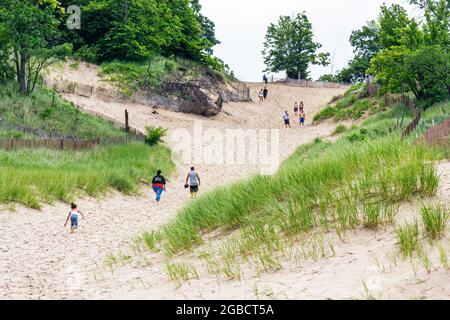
point(73, 216)
point(265, 92)
point(158, 185)
point(193, 182)
point(265, 79)
point(302, 106)
point(296, 109)
point(261, 95)
point(287, 121)
point(302, 118)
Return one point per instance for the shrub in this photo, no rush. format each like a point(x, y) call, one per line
point(357, 137)
point(88, 54)
point(346, 102)
point(326, 113)
point(155, 135)
point(340, 129)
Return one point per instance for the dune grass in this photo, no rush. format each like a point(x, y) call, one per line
point(408, 238)
point(33, 177)
point(44, 111)
point(345, 184)
point(435, 219)
point(339, 129)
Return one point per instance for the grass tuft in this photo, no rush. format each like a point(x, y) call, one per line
point(434, 219)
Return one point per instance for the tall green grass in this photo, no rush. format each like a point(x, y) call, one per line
point(434, 219)
point(33, 177)
point(345, 183)
point(44, 111)
point(408, 238)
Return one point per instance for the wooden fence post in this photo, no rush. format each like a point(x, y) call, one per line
point(62, 144)
point(127, 125)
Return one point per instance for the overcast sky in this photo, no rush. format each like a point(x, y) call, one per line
point(242, 24)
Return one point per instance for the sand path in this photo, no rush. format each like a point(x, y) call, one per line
point(39, 259)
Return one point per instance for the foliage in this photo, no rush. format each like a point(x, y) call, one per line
point(44, 112)
point(340, 129)
point(134, 30)
point(298, 199)
point(435, 219)
point(405, 53)
point(32, 177)
point(289, 47)
point(424, 71)
point(34, 35)
point(30, 27)
point(367, 44)
point(155, 135)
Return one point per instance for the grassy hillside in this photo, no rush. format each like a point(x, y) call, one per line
point(358, 181)
point(45, 113)
point(33, 177)
point(354, 105)
point(153, 74)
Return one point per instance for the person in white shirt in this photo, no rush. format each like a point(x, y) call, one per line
point(193, 182)
point(287, 120)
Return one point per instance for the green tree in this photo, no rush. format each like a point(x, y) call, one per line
point(437, 23)
point(393, 21)
point(424, 71)
point(366, 41)
point(289, 47)
point(137, 29)
point(208, 27)
point(30, 26)
point(6, 70)
point(366, 44)
point(428, 71)
point(356, 70)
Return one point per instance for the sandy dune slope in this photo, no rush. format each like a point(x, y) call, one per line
point(41, 260)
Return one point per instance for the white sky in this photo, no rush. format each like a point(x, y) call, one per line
point(242, 24)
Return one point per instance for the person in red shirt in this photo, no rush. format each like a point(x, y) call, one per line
point(158, 185)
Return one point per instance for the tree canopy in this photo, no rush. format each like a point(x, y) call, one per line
point(34, 34)
point(289, 46)
point(405, 53)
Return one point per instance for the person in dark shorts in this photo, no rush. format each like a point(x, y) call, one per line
point(265, 92)
point(158, 185)
point(287, 120)
point(73, 216)
point(193, 182)
point(302, 107)
point(302, 118)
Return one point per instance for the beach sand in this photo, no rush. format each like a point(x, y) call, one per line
point(39, 259)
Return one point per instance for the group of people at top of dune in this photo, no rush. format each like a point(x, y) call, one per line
point(263, 93)
point(299, 111)
point(158, 186)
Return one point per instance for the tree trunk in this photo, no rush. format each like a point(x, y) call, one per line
point(22, 71)
point(16, 62)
